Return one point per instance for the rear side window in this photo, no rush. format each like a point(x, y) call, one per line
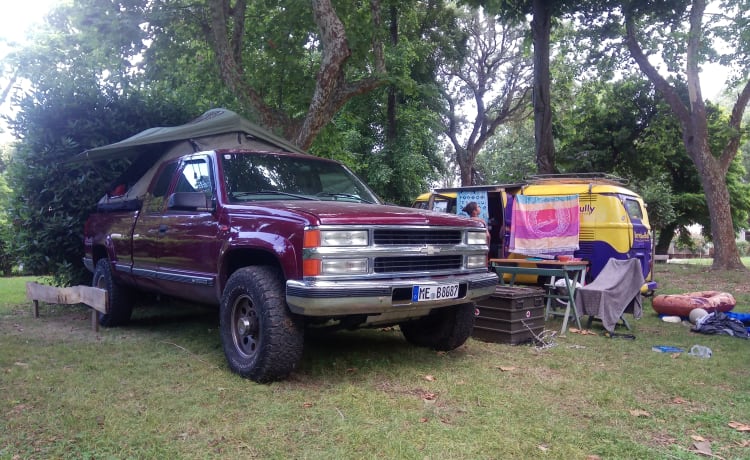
point(633, 208)
point(154, 201)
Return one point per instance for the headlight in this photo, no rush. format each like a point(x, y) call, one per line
point(335, 238)
point(343, 266)
point(476, 237)
point(479, 261)
point(343, 238)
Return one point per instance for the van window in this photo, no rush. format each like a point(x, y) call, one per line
point(633, 208)
point(440, 206)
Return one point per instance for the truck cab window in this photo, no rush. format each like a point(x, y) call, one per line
point(195, 177)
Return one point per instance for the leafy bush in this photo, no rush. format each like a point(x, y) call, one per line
point(51, 197)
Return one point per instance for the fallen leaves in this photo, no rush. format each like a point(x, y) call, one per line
point(574, 330)
point(639, 413)
point(703, 447)
point(507, 368)
point(744, 427)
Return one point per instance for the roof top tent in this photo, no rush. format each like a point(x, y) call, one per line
point(215, 129)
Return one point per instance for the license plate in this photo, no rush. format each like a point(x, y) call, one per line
point(434, 292)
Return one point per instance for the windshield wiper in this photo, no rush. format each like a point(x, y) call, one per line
point(271, 192)
point(344, 195)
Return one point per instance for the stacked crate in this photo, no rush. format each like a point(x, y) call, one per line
point(511, 315)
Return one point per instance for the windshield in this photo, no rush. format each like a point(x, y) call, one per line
point(261, 176)
point(633, 209)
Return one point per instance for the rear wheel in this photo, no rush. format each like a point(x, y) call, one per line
point(119, 298)
point(262, 339)
point(444, 329)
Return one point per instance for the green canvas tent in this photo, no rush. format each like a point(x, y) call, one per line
point(212, 123)
point(215, 129)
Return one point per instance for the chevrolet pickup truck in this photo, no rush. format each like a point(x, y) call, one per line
point(281, 242)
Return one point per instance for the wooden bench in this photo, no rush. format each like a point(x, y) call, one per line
point(661, 258)
point(93, 297)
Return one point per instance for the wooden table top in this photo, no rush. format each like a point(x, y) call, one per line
point(552, 262)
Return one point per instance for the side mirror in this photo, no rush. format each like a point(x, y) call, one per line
point(190, 201)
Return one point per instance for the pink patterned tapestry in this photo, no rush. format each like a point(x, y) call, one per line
point(544, 224)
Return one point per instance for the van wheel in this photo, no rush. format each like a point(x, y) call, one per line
point(262, 339)
point(444, 329)
point(119, 298)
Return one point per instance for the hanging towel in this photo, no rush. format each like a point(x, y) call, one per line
point(545, 224)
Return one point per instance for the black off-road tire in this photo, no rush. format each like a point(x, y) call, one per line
point(262, 339)
point(444, 329)
point(120, 298)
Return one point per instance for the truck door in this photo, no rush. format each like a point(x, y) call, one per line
point(145, 239)
point(188, 236)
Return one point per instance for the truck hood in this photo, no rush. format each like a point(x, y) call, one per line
point(346, 213)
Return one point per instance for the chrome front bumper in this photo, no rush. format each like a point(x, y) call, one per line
point(336, 298)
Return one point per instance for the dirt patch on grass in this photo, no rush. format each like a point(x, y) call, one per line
point(55, 324)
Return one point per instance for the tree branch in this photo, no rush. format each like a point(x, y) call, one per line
point(670, 95)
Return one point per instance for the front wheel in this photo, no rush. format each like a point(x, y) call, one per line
point(262, 339)
point(444, 329)
point(119, 298)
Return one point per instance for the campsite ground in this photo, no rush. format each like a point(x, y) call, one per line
point(160, 388)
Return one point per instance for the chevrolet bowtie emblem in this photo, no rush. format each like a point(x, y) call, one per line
point(429, 250)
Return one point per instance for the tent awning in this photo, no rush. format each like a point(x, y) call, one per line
point(214, 121)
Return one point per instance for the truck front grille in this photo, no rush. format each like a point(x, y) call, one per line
point(396, 237)
point(417, 264)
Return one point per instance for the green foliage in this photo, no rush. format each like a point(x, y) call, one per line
point(51, 197)
point(399, 169)
point(624, 127)
point(398, 157)
point(6, 258)
point(657, 193)
point(509, 156)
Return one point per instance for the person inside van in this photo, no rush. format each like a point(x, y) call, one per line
point(473, 210)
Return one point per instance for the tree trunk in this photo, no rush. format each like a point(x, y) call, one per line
point(726, 253)
point(693, 123)
point(666, 235)
point(391, 131)
point(332, 90)
point(545, 147)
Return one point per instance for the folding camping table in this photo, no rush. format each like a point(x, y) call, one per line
point(571, 271)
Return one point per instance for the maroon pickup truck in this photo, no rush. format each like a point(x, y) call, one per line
point(283, 241)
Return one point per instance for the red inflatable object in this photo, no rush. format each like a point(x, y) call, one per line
point(683, 304)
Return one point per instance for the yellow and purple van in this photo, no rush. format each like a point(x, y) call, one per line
point(613, 219)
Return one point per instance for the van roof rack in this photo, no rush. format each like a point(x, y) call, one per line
point(478, 188)
point(577, 178)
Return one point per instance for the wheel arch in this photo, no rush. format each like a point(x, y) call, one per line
point(99, 252)
point(237, 258)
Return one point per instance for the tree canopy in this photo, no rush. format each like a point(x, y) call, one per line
point(382, 86)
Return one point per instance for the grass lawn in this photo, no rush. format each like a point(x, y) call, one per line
point(160, 388)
